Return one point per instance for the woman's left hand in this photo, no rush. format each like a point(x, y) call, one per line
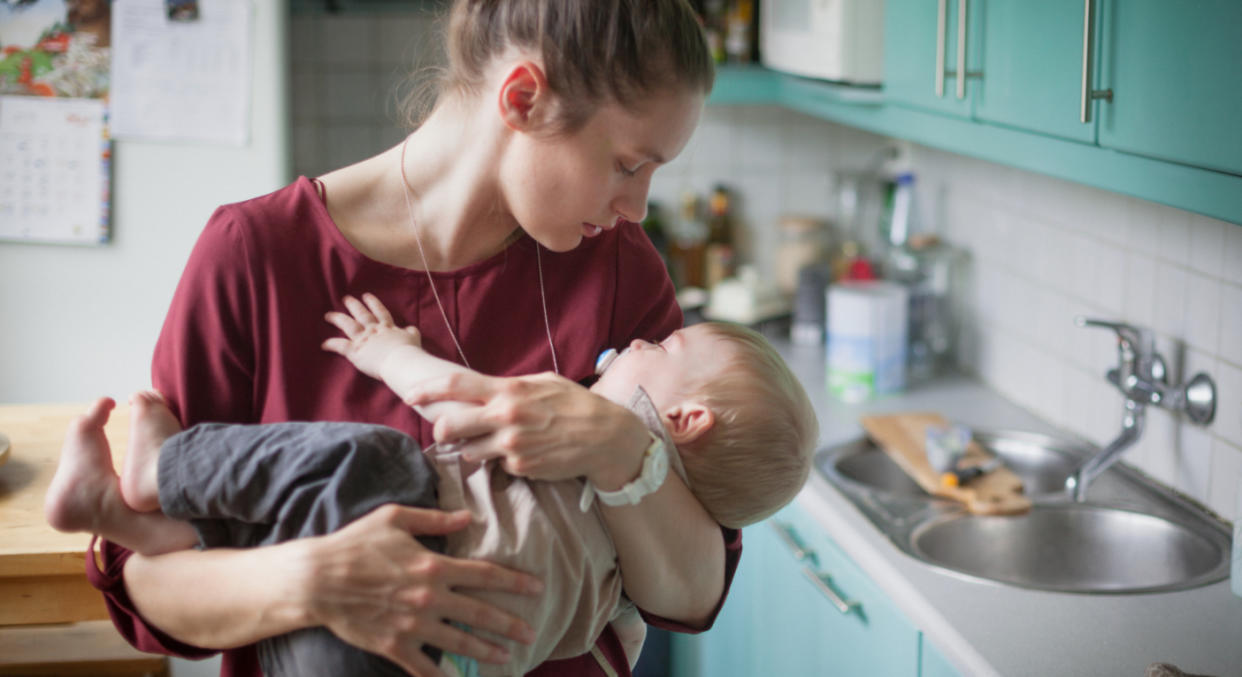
point(543, 427)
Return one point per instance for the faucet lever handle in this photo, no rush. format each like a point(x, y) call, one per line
point(1140, 342)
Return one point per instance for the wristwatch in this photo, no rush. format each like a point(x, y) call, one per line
point(650, 478)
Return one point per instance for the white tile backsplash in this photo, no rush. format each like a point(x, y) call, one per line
point(1203, 317)
point(1226, 470)
point(1231, 322)
point(1173, 234)
point(1170, 315)
point(1207, 244)
point(1042, 250)
point(1194, 461)
point(1139, 305)
point(1228, 423)
point(1232, 265)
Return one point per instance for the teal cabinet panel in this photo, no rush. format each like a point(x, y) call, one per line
point(932, 663)
point(867, 636)
point(911, 42)
point(781, 617)
point(1032, 57)
point(1175, 69)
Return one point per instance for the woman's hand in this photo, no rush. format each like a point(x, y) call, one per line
point(376, 588)
point(543, 427)
point(371, 335)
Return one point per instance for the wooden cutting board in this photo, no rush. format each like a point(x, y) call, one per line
point(902, 437)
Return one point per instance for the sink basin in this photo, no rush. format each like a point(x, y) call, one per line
point(1043, 463)
point(1074, 548)
point(1132, 535)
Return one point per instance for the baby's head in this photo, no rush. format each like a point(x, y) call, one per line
point(742, 422)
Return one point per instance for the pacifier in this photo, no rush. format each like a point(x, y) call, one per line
point(604, 360)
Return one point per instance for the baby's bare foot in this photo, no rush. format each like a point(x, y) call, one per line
point(85, 481)
point(150, 423)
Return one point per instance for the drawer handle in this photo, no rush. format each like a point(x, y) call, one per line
point(790, 537)
point(821, 582)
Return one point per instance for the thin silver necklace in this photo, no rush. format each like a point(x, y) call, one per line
point(543, 297)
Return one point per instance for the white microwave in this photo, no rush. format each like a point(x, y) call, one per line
point(839, 40)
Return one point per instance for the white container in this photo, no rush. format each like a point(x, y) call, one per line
point(839, 40)
point(866, 339)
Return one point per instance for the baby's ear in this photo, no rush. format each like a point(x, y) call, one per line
point(688, 422)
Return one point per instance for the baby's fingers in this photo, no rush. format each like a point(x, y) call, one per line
point(337, 345)
point(360, 312)
point(345, 323)
point(377, 308)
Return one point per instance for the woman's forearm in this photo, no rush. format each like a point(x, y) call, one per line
point(222, 598)
point(672, 568)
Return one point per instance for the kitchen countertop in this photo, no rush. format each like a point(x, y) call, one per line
point(986, 628)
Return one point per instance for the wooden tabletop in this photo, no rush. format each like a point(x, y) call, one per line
point(28, 546)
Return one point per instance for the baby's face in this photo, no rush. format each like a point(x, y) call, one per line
point(669, 370)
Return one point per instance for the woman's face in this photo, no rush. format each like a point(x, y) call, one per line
point(563, 188)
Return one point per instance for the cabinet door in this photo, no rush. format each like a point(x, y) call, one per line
point(804, 630)
point(1175, 69)
point(912, 36)
point(1032, 66)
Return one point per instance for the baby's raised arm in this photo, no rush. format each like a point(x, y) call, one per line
point(380, 349)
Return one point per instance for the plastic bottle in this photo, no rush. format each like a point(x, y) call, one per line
point(719, 253)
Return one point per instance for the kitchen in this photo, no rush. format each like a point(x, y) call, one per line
point(1042, 250)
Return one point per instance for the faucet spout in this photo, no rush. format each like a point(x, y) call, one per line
point(1093, 467)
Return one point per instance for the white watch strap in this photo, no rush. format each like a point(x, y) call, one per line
point(650, 478)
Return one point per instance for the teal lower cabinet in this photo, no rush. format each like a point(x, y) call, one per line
point(799, 606)
point(932, 663)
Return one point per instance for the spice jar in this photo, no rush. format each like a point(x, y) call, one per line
point(803, 241)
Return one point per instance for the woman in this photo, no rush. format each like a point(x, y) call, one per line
point(500, 228)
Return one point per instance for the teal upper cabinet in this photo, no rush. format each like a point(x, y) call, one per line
point(1176, 72)
point(1034, 55)
point(921, 38)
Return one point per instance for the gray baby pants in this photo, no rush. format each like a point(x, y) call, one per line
point(252, 485)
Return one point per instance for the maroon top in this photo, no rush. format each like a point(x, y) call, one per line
point(241, 343)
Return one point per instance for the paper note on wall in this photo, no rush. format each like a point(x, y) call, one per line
point(54, 156)
point(181, 81)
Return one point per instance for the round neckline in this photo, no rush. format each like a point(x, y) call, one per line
point(307, 187)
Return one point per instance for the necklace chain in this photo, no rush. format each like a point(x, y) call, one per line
point(543, 297)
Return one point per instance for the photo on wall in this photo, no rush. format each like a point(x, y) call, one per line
point(55, 146)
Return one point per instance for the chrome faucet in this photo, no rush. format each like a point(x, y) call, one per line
point(1141, 376)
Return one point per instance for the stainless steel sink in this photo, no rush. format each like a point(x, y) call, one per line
point(1073, 548)
point(1132, 535)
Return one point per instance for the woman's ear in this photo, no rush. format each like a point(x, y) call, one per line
point(688, 422)
point(523, 91)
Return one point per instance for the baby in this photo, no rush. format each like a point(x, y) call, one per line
point(719, 402)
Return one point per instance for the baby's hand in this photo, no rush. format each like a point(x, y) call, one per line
point(370, 334)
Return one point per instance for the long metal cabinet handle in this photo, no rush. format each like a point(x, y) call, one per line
point(786, 532)
point(941, 20)
point(1088, 54)
point(961, 49)
point(844, 606)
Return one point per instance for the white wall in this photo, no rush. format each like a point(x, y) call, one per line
point(79, 322)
